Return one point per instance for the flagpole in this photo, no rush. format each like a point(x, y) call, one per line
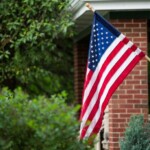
point(89, 6)
point(92, 9)
point(146, 57)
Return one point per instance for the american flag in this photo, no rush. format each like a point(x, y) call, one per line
point(111, 57)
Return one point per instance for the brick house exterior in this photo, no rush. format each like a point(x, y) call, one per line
point(131, 97)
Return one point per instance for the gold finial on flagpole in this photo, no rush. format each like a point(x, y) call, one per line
point(89, 6)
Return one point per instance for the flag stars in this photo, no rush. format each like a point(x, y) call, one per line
point(100, 41)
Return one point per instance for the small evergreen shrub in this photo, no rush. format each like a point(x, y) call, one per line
point(137, 135)
point(37, 124)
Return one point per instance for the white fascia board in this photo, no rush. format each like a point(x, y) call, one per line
point(79, 7)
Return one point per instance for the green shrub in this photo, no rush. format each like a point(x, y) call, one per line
point(137, 135)
point(37, 124)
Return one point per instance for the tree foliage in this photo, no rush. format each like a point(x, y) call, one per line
point(137, 135)
point(37, 124)
point(35, 41)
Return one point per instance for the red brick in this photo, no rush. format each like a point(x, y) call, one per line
point(115, 21)
point(143, 34)
point(113, 115)
point(140, 30)
point(125, 115)
point(119, 25)
point(136, 91)
point(113, 139)
point(139, 39)
point(126, 86)
point(113, 134)
point(145, 111)
point(115, 96)
point(120, 101)
point(140, 106)
point(127, 96)
point(132, 34)
point(141, 96)
point(113, 106)
point(133, 110)
point(132, 25)
point(132, 101)
point(114, 146)
point(126, 30)
point(117, 120)
point(125, 106)
point(114, 125)
point(140, 86)
point(118, 111)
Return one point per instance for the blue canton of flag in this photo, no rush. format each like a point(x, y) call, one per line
point(101, 39)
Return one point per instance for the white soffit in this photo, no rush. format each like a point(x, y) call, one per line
point(83, 16)
point(79, 8)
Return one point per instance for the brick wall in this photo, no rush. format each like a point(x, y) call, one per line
point(80, 60)
point(132, 95)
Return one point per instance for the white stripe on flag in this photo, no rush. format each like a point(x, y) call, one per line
point(105, 55)
point(113, 62)
point(109, 84)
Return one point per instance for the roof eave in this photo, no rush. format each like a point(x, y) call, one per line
point(78, 6)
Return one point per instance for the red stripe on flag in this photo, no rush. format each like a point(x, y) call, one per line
point(125, 40)
point(107, 79)
point(88, 78)
point(105, 64)
point(114, 87)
